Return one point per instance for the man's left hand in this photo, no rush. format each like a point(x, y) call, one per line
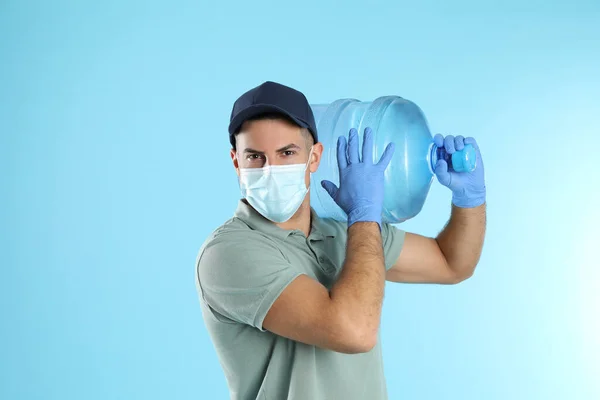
point(468, 188)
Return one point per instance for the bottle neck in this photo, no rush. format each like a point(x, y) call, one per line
point(438, 153)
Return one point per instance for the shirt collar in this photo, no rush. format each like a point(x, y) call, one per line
point(319, 229)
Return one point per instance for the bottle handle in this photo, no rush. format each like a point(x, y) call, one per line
point(464, 160)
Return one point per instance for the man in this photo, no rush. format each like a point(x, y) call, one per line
point(293, 301)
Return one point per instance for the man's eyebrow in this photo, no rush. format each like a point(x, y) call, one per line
point(288, 147)
point(249, 150)
point(285, 148)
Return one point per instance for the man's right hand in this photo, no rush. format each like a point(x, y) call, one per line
point(361, 189)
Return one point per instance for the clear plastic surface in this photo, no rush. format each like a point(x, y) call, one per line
point(393, 119)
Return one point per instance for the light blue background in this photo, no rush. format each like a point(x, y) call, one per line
point(115, 167)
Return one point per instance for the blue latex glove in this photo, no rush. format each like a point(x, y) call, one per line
point(468, 188)
point(360, 194)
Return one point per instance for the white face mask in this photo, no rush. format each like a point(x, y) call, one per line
point(275, 191)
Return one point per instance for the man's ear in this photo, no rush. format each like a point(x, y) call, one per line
point(235, 161)
point(317, 153)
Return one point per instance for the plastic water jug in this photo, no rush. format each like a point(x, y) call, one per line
point(411, 170)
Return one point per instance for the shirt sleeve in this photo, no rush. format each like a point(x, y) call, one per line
point(393, 240)
point(241, 275)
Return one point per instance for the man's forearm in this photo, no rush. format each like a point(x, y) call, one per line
point(461, 241)
point(358, 293)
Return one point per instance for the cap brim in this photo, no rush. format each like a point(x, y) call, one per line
point(258, 109)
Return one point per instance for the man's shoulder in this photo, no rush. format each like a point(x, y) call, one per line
point(230, 228)
point(233, 237)
point(235, 251)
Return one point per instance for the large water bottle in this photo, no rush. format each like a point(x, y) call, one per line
point(410, 173)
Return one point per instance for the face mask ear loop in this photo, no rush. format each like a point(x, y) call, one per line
point(309, 158)
point(307, 164)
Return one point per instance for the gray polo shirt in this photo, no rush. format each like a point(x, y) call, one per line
point(240, 271)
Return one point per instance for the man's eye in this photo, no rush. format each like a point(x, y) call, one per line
point(289, 152)
point(254, 157)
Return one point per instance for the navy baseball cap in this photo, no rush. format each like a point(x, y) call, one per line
point(272, 97)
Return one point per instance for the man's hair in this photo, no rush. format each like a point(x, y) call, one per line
point(308, 137)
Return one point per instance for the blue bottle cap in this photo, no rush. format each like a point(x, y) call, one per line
point(464, 160)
